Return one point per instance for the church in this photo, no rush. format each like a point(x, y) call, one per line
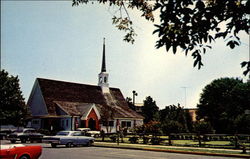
point(61, 105)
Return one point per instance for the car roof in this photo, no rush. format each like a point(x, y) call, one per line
point(69, 131)
point(29, 129)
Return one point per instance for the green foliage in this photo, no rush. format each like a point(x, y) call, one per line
point(130, 104)
point(203, 127)
point(150, 110)
point(193, 24)
point(189, 25)
point(174, 119)
point(107, 115)
point(172, 126)
point(222, 102)
point(13, 109)
point(242, 124)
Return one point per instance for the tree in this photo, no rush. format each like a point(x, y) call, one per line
point(107, 116)
point(150, 110)
point(203, 127)
point(222, 102)
point(130, 103)
point(189, 25)
point(13, 109)
point(174, 119)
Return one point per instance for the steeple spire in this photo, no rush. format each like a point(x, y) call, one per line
point(103, 58)
point(103, 76)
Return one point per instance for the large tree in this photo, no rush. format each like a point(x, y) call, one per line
point(175, 119)
point(223, 103)
point(13, 109)
point(189, 25)
point(150, 110)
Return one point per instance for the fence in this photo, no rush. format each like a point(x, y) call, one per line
point(236, 141)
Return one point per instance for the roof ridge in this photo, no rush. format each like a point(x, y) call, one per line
point(38, 78)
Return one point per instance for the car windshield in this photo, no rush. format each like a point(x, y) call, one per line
point(62, 133)
point(18, 131)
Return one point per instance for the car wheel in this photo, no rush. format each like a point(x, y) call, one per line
point(69, 144)
point(24, 157)
point(23, 140)
point(90, 143)
point(53, 145)
point(13, 141)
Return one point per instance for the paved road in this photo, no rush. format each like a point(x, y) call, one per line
point(62, 152)
point(112, 153)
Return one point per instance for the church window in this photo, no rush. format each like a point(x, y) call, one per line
point(105, 79)
point(35, 122)
point(126, 124)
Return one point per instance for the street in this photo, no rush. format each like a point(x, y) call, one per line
point(61, 152)
point(112, 153)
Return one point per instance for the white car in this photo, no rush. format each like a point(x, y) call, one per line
point(89, 132)
point(69, 138)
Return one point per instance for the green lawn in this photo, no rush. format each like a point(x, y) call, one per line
point(188, 149)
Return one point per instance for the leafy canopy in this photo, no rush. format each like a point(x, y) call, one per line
point(150, 110)
point(13, 109)
point(189, 25)
point(175, 119)
point(223, 103)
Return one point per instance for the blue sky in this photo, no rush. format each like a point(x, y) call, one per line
point(57, 41)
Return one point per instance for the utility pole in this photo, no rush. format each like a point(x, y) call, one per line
point(184, 117)
point(185, 91)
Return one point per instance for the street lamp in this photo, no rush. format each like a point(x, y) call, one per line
point(185, 89)
point(134, 94)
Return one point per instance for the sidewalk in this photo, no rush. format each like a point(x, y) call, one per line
point(177, 149)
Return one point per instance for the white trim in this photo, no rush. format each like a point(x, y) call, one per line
point(96, 111)
point(36, 86)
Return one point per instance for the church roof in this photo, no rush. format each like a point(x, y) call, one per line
point(56, 92)
point(74, 108)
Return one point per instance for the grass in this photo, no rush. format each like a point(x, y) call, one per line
point(185, 149)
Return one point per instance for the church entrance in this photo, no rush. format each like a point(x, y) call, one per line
point(92, 124)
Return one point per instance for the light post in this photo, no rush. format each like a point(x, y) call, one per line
point(185, 90)
point(134, 94)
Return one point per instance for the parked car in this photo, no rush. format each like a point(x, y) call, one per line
point(26, 134)
point(6, 130)
point(69, 138)
point(20, 151)
point(89, 132)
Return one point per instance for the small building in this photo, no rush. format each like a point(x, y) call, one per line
point(193, 113)
point(61, 105)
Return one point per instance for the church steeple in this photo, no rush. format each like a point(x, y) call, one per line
point(103, 76)
point(103, 58)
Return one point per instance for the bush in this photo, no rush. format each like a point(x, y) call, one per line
point(203, 127)
point(145, 139)
point(134, 140)
point(155, 141)
point(113, 138)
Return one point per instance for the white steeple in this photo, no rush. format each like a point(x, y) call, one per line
point(103, 76)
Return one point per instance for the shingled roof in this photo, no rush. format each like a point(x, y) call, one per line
point(54, 91)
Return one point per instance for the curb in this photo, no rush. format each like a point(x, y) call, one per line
point(177, 151)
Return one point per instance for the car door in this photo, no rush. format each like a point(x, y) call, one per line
point(76, 138)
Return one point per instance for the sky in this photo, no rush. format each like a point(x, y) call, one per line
point(53, 40)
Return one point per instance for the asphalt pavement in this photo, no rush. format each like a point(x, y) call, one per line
point(113, 151)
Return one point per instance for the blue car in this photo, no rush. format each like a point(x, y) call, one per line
point(69, 138)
